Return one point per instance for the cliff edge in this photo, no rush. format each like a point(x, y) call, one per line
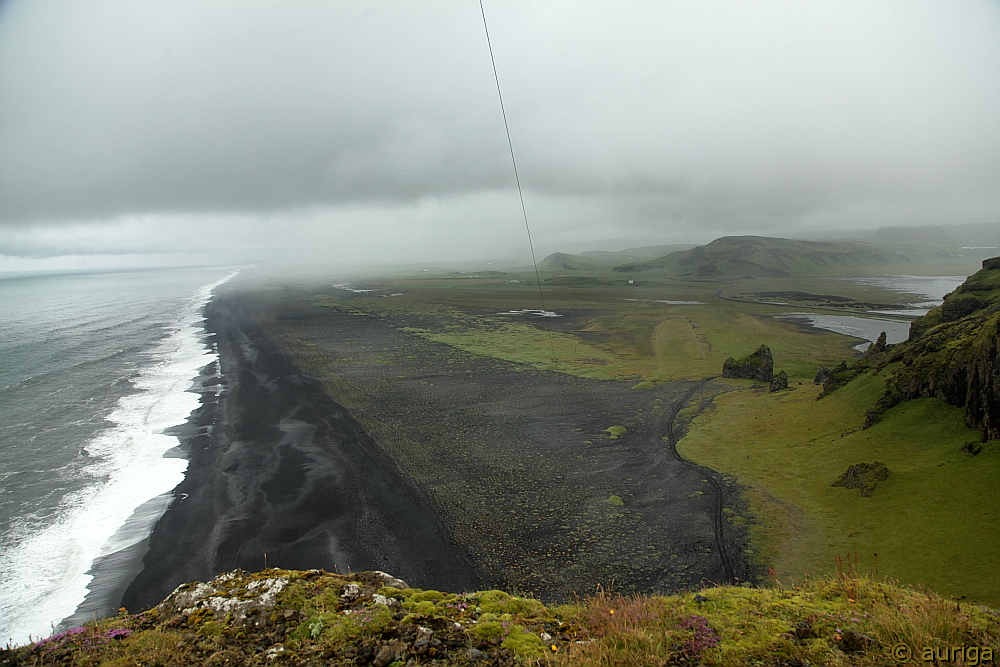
point(952, 354)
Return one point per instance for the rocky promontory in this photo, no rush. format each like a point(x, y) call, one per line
point(953, 354)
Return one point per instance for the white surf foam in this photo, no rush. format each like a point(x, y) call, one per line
point(44, 578)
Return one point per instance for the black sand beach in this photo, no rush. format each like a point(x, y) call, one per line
point(287, 473)
point(452, 471)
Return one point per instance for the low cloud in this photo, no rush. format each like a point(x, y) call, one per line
point(364, 124)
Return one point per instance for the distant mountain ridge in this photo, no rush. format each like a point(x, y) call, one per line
point(762, 256)
point(734, 257)
point(606, 259)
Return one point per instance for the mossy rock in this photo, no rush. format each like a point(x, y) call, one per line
point(525, 644)
point(758, 365)
point(486, 630)
point(426, 596)
point(863, 476)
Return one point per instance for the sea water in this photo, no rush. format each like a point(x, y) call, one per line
point(94, 367)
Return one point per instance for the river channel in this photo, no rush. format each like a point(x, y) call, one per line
point(928, 290)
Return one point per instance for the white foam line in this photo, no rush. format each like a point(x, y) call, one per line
point(44, 578)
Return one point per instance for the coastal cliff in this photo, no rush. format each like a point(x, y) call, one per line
point(290, 617)
point(952, 354)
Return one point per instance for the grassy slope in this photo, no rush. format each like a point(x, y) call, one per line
point(932, 522)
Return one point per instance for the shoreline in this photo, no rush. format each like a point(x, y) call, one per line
point(277, 468)
point(113, 573)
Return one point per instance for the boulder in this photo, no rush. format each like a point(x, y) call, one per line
point(779, 382)
point(863, 476)
point(758, 365)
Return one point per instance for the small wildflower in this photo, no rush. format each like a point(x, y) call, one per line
point(611, 611)
point(554, 647)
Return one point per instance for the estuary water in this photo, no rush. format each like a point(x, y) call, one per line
point(929, 290)
point(94, 367)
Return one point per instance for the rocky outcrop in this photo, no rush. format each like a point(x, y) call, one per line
point(863, 476)
point(758, 365)
point(953, 354)
point(779, 382)
point(878, 347)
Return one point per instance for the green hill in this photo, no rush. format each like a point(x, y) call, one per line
point(640, 254)
point(604, 260)
point(761, 256)
point(562, 261)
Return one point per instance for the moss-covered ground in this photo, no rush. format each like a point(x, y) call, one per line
point(325, 619)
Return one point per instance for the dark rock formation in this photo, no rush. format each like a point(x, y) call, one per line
point(878, 347)
point(839, 376)
point(779, 382)
point(863, 476)
point(758, 365)
point(856, 642)
point(959, 306)
point(822, 375)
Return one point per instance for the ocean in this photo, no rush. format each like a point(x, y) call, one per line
point(94, 367)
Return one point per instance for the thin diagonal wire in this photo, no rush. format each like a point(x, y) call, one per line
point(524, 212)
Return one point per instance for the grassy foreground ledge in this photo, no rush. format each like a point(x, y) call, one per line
point(286, 617)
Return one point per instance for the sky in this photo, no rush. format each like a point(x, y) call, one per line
point(160, 132)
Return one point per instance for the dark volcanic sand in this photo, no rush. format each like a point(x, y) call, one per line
point(516, 461)
point(287, 472)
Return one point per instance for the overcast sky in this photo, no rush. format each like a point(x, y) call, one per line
point(336, 131)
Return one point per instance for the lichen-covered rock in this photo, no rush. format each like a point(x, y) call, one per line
point(758, 365)
point(863, 476)
point(779, 382)
point(237, 595)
